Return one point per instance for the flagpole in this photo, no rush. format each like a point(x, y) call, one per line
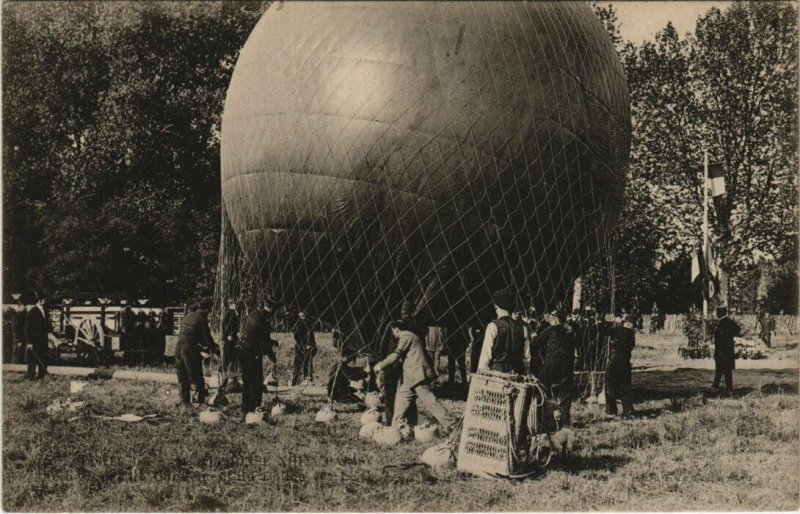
point(705, 226)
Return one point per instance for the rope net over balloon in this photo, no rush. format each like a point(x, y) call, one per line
point(376, 153)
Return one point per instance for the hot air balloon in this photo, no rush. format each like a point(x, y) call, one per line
point(376, 152)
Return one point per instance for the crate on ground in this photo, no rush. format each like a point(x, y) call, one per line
point(499, 420)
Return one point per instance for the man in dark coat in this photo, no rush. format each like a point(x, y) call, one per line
point(724, 349)
point(505, 346)
point(618, 371)
point(304, 350)
point(230, 337)
point(8, 336)
point(36, 329)
point(557, 342)
point(194, 338)
point(476, 334)
point(18, 333)
point(767, 327)
point(255, 342)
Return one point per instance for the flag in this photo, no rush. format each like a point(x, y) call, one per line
point(716, 177)
point(705, 273)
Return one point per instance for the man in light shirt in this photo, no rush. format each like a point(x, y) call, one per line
point(505, 347)
point(418, 374)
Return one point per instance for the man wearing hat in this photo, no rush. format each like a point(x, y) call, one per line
point(36, 329)
point(724, 349)
point(418, 374)
point(194, 338)
point(230, 337)
point(504, 342)
point(557, 343)
point(618, 371)
point(254, 343)
point(390, 378)
point(304, 350)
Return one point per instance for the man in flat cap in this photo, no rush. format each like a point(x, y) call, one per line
point(505, 345)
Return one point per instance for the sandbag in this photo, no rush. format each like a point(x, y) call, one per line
point(440, 456)
point(406, 431)
point(369, 416)
point(387, 436)
point(425, 433)
point(368, 431)
point(325, 415)
point(254, 418)
point(210, 417)
point(563, 441)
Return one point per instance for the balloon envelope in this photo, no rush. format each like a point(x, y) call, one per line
point(376, 152)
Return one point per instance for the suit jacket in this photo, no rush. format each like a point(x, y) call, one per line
point(195, 332)
point(255, 340)
point(417, 363)
point(724, 348)
point(36, 329)
point(620, 348)
point(304, 336)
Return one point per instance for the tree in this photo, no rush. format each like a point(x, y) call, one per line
point(732, 88)
point(122, 191)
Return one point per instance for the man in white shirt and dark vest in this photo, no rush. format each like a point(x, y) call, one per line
point(505, 346)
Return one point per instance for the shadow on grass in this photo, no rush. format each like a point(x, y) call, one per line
point(575, 464)
point(685, 383)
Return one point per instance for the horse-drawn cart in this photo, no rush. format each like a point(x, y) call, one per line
point(95, 331)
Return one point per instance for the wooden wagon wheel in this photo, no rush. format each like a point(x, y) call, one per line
point(88, 341)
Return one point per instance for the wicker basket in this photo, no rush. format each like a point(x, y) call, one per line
point(498, 424)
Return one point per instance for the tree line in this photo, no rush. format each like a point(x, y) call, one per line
point(111, 125)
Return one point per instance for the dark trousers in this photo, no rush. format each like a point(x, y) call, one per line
point(230, 354)
point(252, 368)
point(189, 367)
point(475, 355)
point(18, 356)
point(728, 373)
point(618, 386)
point(303, 366)
point(36, 359)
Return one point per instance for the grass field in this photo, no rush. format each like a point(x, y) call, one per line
point(686, 449)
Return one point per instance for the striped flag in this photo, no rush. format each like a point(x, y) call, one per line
point(716, 176)
point(705, 273)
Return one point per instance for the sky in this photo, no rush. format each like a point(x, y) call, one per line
point(641, 20)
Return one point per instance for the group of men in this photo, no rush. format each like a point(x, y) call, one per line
point(508, 345)
point(25, 337)
point(245, 344)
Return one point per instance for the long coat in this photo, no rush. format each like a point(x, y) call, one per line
point(724, 350)
point(304, 337)
point(558, 344)
point(255, 338)
point(195, 332)
point(36, 329)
